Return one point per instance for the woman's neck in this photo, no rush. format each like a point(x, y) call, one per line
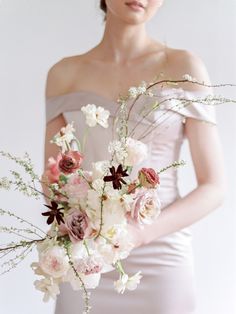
point(124, 42)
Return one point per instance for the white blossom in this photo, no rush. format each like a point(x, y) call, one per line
point(128, 151)
point(49, 287)
point(98, 185)
point(136, 91)
point(5, 183)
point(133, 92)
point(95, 115)
point(118, 148)
point(189, 78)
point(64, 136)
point(117, 246)
point(126, 282)
point(99, 169)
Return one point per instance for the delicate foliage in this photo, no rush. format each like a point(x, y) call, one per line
point(89, 211)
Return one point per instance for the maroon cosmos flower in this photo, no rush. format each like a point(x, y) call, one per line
point(54, 213)
point(116, 176)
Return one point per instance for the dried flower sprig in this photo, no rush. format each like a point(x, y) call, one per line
point(25, 246)
point(86, 293)
point(24, 162)
point(21, 220)
point(124, 113)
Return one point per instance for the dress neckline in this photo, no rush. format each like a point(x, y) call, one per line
point(95, 94)
point(159, 92)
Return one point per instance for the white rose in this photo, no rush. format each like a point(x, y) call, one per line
point(137, 151)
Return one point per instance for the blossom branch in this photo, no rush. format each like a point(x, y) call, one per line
point(5, 212)
point(86, 293)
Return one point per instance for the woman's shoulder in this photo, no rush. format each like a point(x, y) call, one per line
point(181, 62)
point(62, 73)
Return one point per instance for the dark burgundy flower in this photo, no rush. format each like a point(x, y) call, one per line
point(116, 176)
point(54, 213)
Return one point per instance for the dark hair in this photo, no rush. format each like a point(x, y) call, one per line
point(103, 7)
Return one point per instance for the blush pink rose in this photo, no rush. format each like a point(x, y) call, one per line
point(54, 261)
point(76, 186)
point(146, 206)
point(148, 178)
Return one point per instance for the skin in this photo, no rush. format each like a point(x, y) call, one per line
point(128, 55)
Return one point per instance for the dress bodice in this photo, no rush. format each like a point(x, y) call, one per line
point(164, 141)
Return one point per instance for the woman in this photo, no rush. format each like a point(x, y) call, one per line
point(125, 56)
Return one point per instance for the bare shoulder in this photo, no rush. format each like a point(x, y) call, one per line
point(183, 62)
point(61, 75)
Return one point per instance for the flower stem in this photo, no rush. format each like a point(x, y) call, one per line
point(86, 293)
point(175, 164)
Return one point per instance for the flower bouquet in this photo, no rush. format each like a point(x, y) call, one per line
point(89, 211)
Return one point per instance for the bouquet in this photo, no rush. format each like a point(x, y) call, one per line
point(89, 211)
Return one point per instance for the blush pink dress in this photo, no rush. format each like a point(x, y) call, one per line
point(168, 283)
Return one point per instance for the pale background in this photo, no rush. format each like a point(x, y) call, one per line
point(36, 34)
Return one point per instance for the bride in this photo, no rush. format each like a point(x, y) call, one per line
point(125, 56)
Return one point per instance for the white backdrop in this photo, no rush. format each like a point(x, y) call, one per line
point(36, 34)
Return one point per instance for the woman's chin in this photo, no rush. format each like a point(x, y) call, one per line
point(134, 19)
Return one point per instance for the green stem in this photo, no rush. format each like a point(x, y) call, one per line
point(86, 247)
point(173, 165)
point(22, 244)
point(86, 293)
point(119, 267)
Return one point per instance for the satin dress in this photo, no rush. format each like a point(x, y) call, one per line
point(167, 264)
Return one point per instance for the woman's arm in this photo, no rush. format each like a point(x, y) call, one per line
point(55, 85)
point(208, 161)
point(209, 167)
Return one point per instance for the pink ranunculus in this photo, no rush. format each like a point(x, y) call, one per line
point(148, 178)
point(70, 162)
point(76, 225)
point(52, 171)
point(146, 206)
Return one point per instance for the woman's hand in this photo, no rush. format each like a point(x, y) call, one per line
point(136, 234)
